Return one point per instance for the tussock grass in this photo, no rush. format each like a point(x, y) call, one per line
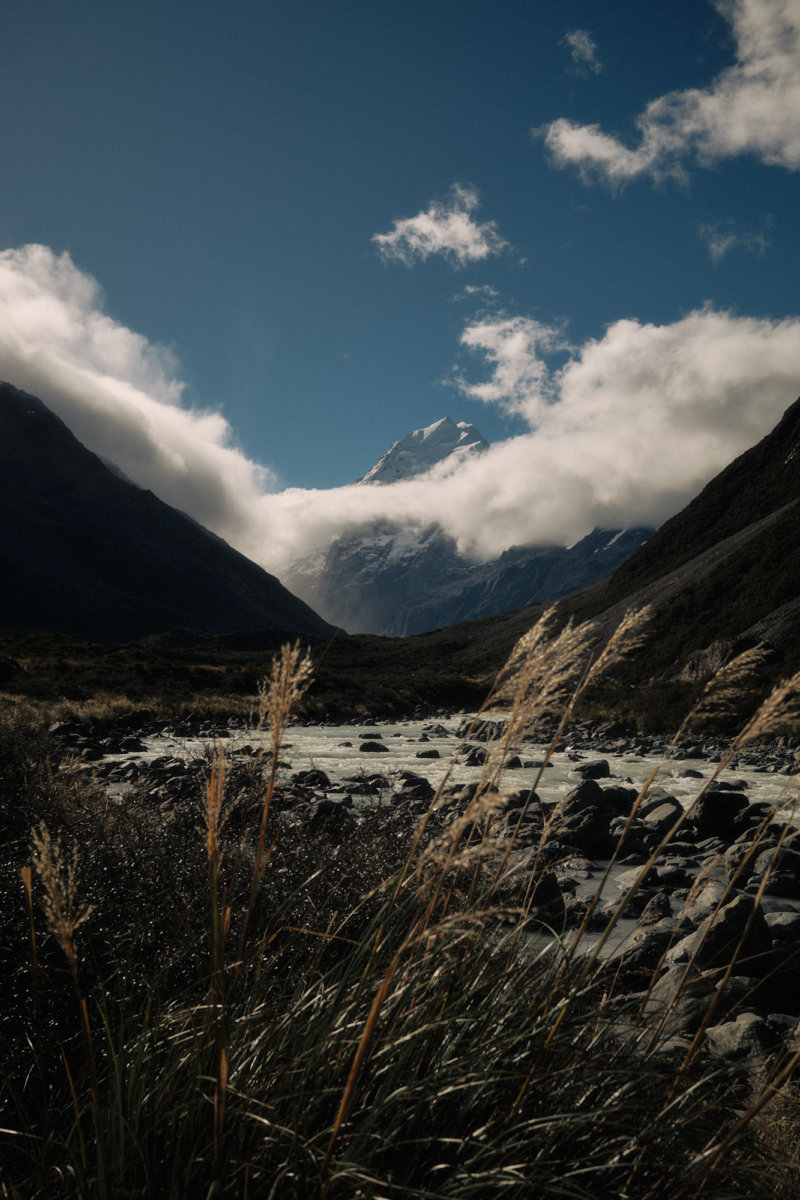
point(209, 999)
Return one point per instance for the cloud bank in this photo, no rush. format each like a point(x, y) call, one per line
point(752, 107)
point(445, 227)
point(623, 432)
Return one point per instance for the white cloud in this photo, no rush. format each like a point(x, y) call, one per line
point(635, 422)
point(583, 52)
point(722, 236)
point(445, 227)
point(118, 393)
point(625, 431)
point(752, 107)
point(521, 382)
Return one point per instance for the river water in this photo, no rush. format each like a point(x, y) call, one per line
point(335, 750)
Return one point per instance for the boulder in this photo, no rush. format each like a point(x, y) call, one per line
point(657, 907)
point(476, 756)
point(642, 953)
point(582, 819)
point(598, 768)
point(311, 779)
point(656, 796)
point(658, 821)
point(546, 898)
point(737, 928)
point(621, 797)
point(715, 814)
point(748, 1036)
point(678, 1001)
point(413, 787)
point(784, 926)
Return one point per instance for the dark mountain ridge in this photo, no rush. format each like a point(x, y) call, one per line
point(759, 482)
point(85, 552)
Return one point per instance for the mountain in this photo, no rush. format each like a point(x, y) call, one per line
point(424, 448)
point(85, 552)
point(721, 575)
point(397, 580)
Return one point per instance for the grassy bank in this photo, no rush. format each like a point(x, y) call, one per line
point(205, 998)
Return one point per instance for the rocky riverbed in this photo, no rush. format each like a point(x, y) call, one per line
point(713, 918)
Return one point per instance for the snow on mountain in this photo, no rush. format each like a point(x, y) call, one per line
point(397, 579)
point(425, 448)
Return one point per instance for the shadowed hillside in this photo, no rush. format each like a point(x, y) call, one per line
point(85, 552)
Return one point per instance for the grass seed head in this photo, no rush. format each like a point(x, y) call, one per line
point(279, 692)
point(626, 638)
point(543, 672)
point(723, 690)
point(63, 911)
point(215, 814)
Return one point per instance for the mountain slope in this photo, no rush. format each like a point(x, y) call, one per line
point(757, 483)
point(85, 552)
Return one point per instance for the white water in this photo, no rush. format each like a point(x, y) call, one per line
point(325, 747)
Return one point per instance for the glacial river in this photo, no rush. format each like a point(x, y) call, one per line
point(335, 750)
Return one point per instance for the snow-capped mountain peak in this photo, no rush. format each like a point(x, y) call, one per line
point(424, 448)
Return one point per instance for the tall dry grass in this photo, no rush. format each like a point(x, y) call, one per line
point(279, 1015)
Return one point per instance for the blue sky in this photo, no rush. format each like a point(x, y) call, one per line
point(313, 227)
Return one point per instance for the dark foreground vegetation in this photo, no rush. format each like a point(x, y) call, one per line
point(58, 676)
point(51, 677)
point(205, 996)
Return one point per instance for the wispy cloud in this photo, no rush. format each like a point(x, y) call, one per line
point(621, 430)
point(446, 227)
point(521, 382)
point(478, 291)
point(583, 52)
point(752, 107)
point(722, 236)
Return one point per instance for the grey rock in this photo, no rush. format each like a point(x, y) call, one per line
point(582, 819)
point(657, 907)
point(748, 1036)
point(596, 769)
point(784, 926)
point(372, 747)
point(716, 812)
point(738, 928)
point(679, 1000)
point(643, 951)
point(657, 822)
